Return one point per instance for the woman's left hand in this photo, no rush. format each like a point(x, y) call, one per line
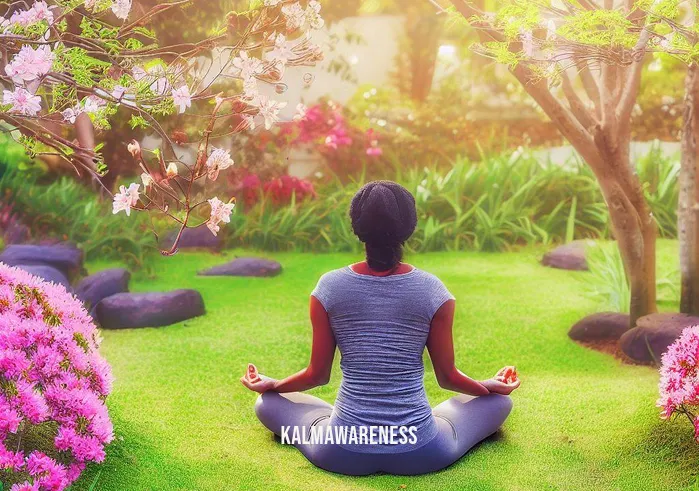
point(257, 382)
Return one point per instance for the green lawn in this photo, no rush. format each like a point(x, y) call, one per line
point(581, 419)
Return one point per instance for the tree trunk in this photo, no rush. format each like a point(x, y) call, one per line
point(635, 231)
point(687, 227)
point(424, 43)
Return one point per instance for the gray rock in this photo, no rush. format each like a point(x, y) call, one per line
point(245, 266)
point(600, 326)
point(193, 238)
point(46, 273)
point(128, 310)
point(66, 258)
point(652, 335)
point(569, 256)
point(96, 287)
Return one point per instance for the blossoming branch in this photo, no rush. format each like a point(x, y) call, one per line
point(72, 66)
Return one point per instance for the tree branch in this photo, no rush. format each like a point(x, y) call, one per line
point(577, 106)
point(590, 85)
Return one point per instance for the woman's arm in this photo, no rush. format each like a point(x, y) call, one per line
point(318, 370)
point(440, 344)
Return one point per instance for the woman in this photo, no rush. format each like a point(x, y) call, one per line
point(381, 314)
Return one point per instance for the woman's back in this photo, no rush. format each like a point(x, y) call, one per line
point(381, 324)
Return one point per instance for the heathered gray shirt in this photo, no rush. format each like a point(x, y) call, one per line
point(381, 325)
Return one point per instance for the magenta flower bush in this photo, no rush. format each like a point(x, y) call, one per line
point(679, 378)
point(53, 385)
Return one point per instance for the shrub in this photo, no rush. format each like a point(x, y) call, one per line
point(68, 210)
point(493, 204)
point(53, 384)
point(679, 379)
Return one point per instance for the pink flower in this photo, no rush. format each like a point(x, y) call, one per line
point(41, 11)
point(64, 382)
point(9, 420)
point(118, 92)
point(315, 21)
point(220, 212)
point(249, 121)
point(182, 98)
point(160, 84)
point(294, 14)
point(126, 198)
point(121, 8)
point(283, 49)
point(22, 101)
point(248, 67)
point(71, 114)
point(269, 109)
point(527, 43)
point(38, 12)
point(679, 378)
point(301, 111)
point(25, 486)
point(373, 150)
point(218, 160)
point(10, 460)
point(29, 63)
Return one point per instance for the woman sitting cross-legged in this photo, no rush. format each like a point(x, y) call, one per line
point(381, 314)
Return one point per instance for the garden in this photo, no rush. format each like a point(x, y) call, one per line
point(176, 176)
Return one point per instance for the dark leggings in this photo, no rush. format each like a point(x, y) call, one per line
point(462, 422)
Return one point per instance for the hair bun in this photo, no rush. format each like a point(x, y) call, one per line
point(383, 214)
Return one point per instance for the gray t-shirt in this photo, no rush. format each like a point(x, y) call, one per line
point(381, 324)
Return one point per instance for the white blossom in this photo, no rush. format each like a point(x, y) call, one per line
point(121, 8)
point(218, 160)
point(126, 198)
point(269, 109)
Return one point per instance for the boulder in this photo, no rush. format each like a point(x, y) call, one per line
point(600, 326)
point(652, 335)
point(46, 273)
point(245, 266)
point(65, 258)
point(92, 289)
point(193, 238)
point(128, 310)
point(569, 256)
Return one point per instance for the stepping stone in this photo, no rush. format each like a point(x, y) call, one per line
point(652, 335)
point(569, 256)
point(65, 258)
point(129, 310)
point(46, 273)
point(193, 238)
point(600, 326)
point(245, 266)
point(96, 287)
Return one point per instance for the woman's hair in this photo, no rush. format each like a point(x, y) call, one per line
point(383, 217)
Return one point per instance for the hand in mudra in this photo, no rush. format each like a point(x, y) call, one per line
point(255, 381)
point(504, 382)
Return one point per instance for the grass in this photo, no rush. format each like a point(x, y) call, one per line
point(581, 420)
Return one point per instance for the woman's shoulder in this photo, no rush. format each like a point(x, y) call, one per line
point(427, 276)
